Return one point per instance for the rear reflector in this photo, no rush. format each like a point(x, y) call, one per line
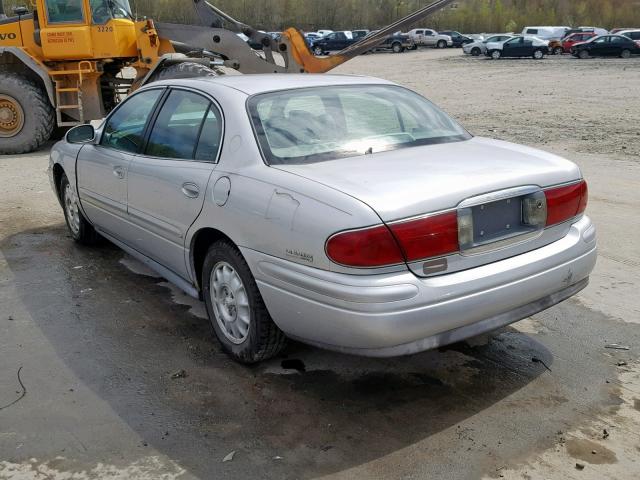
point(428, 237)
point(565, 203)
point(368, 247)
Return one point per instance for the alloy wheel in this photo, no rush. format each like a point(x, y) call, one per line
point(72, 210)
point(230, 302)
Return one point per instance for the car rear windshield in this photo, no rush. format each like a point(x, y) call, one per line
point(317, 124)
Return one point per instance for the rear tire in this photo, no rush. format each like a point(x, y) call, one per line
point(538, 54)
point(80, 229)
point(27, 118)
point(397, 48)
point(235, 307)
point(183, 70)
point(558, 51)
point(318, 51)
point(442, 44)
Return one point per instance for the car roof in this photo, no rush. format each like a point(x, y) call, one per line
point(261, 83)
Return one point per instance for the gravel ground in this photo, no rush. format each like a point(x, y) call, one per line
point(99, 339)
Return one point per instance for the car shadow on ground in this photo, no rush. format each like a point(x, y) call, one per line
point(306, 413)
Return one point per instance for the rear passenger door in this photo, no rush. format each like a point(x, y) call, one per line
point(167, 183)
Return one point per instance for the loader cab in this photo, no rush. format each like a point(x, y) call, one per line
point(86, 29)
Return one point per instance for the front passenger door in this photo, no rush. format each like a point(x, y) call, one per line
point(599, 46)
point(512, 47)
point(167, 184)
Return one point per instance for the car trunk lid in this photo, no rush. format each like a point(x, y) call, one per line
point(415, 181)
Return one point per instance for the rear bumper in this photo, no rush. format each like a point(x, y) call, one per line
point(399, 314)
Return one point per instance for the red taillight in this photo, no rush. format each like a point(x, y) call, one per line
point(368, 247)
point(428, 237)
point(565, 203)
point(414, 240)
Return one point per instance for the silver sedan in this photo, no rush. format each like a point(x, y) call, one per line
point(345, 212)
point(479, 47)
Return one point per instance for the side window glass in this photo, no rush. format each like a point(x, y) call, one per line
point(125, 128)
point(175, 133)
point(210, 137)
point(65, 11)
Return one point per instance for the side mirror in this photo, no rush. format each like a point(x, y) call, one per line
point(81, 134)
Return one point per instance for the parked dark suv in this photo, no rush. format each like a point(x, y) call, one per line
point(333, 42)
point(606, 46)
point(458, 39)
point(397, 43)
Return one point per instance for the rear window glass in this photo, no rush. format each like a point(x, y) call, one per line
point(326, 123)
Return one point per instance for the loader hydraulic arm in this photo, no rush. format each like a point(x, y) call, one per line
point(296, 57)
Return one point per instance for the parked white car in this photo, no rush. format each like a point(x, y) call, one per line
point(479, 47)
point(346, 212)
point(324, 33)
point(632, 34)
point(546, 33)
point(598, 31)
point(425, 37)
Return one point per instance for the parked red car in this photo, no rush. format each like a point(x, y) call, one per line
point(574, 38)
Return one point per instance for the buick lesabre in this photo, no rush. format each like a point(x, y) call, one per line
point(346, 212)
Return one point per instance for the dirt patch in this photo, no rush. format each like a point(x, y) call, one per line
point(590, 451)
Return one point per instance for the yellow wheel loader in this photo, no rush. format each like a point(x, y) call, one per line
point(63, 62)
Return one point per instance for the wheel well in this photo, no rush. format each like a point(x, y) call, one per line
point(200, 246)
point(58, 172)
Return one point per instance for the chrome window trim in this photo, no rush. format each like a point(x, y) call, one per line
point(213, 101)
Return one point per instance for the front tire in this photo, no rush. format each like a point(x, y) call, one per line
point(476, 52)
point(496, 54)
point(27, 118)
point(625, 54)
point(558, 51)
point(235, 307)
point(397, 48)
point(80, 229)
point(318, 51)
point(583, 54)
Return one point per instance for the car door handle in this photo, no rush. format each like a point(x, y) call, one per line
point(118, 172)
point(190, 190)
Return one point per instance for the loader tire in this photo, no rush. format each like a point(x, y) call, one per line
point(27, 118)
point(183, 70)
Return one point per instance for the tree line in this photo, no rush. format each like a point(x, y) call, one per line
point(469, 16)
